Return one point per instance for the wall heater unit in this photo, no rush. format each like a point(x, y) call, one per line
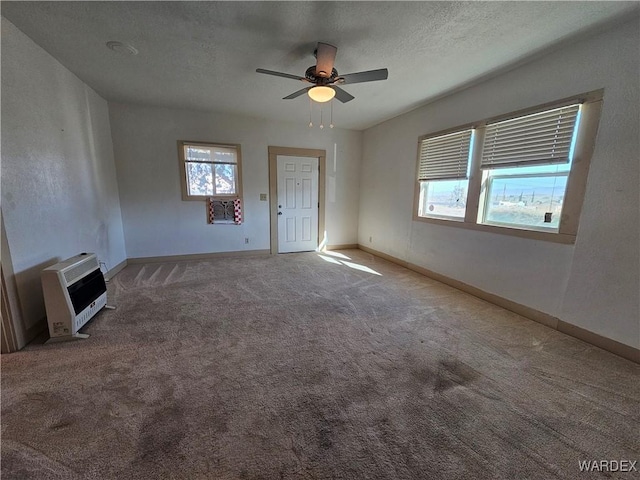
point(74, 291)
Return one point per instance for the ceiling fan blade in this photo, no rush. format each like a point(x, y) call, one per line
point(280, 74)
point(297, 94)
point(341, 95)
point(369, 76)
point(325, 58)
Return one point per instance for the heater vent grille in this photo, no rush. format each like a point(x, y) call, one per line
point(79, 270)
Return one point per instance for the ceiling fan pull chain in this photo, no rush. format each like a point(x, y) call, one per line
point(310, 112)
point(331, 118)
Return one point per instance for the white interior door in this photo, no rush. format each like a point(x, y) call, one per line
point(297, 204)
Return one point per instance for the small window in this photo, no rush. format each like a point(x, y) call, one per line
point(443, 173)
point(209, 170)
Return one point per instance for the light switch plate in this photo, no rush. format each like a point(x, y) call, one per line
point(263, 197)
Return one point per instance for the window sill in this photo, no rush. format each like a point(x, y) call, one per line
point(442, 218)
point(511, 231)
point(223, 222)
point(200, 198)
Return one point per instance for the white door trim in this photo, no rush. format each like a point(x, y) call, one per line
point(321, 155)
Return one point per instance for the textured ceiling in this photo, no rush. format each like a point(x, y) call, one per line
point(203, 55)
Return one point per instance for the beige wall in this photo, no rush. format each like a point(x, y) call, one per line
point(158, 222)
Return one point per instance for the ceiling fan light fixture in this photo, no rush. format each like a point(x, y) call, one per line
point(321, 94)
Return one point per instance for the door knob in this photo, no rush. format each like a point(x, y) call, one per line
point(279, 213)
point(279, 206)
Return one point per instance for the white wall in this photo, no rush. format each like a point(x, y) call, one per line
point(593, 284)
point(158, 222)
point(59, 190)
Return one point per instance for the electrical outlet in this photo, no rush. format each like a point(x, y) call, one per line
point(246, 240)
point(263, 197)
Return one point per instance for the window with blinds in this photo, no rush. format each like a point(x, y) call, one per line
point(543, 138)
point(443, 174)
point(512, 173)
point(526, 161)
point(445, 157)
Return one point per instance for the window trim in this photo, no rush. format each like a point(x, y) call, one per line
point(576, 182)
point(183, 173)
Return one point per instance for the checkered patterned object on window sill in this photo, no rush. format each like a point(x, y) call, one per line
point(237, 211)
point(227, 212)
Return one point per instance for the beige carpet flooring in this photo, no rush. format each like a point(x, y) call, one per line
point(303, 366)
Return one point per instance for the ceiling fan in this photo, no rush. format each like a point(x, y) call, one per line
point(325, 78)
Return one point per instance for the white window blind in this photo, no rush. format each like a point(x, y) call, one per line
point(213, 154)
point(445, 157)
point(540, 139)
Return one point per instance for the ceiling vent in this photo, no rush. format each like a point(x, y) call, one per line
point(120, 47)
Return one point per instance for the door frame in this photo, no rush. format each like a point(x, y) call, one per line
point(321, 155)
